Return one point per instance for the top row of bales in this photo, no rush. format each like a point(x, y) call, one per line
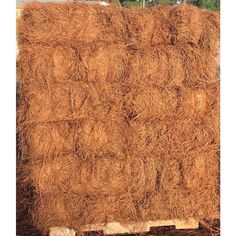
point(93, 23)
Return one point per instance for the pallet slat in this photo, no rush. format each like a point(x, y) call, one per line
point(117, 228)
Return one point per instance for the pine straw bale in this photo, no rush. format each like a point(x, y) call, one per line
point(200, 66)
point(54, 209)
point(142, 172)
point(72, 173)
point(186, 24)
point(35, 64)
point(108, 23)
point(50, 139)
point(88, 23)
point(55, 174)
point(199, 103)
point(111, 22)
point(149, 67)
point(192, 136)
point(61, 102)
point(93, 23)
point(44, 65)
point(202, 166)
point(157, 66)
point(152, 103)
point(142, 138)
point(49, 22)
point(80, 210)
point(140, 24)
point(211, 31)
point(195, 168)
point(193, 103)
point(194, 26)
point(178, 187)
point(104, 174)
point(64, 60)
point(173, 66)
point(172, 138)
point(170, 174)
point(162, 29)
point(102, 136)
point(108, 65)
point(89, 136)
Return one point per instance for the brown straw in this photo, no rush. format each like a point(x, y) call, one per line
point(118, 114)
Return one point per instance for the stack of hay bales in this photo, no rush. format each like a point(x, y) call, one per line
point(118, 115)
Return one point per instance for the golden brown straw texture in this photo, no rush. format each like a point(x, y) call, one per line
point(118, 113)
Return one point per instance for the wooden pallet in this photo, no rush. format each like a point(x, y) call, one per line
point(117, 228)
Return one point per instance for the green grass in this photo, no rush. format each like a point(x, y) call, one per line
point(134, 3)
point(114, 1)
point(212, 5)
point(130, 4)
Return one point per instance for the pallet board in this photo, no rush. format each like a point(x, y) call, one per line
point(117, 228)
